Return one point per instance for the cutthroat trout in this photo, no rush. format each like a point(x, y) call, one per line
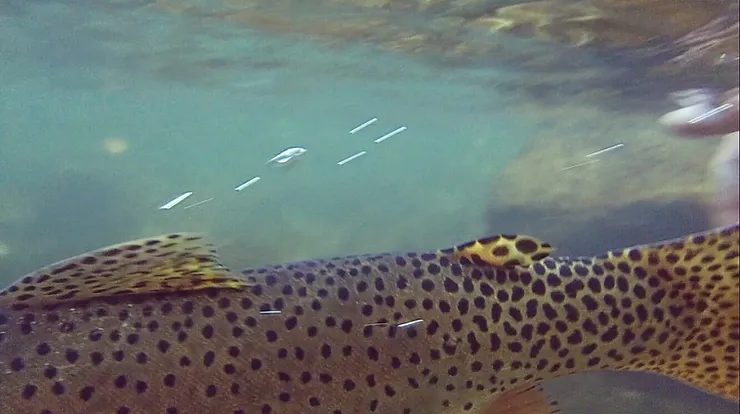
point(159, 326)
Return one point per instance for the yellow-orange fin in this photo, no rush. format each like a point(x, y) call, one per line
point(693, 287)
point(503, 251)
point(525, 399)
point(169, 263)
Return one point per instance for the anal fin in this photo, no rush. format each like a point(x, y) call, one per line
point(525, 399)
point(169, 263)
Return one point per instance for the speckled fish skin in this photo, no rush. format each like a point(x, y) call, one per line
point(669, 308)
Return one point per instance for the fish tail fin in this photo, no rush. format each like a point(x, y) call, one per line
point(693, 287)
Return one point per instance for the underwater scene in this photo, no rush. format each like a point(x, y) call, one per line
point(525, 139)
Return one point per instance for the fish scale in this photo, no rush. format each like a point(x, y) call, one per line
point(160, 326)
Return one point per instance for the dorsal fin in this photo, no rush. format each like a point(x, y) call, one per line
point(164, 264)
point(503, 251)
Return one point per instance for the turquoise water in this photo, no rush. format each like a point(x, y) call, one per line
point(109, 111)
point(67, 89)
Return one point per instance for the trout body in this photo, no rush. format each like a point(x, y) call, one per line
point(159, 326)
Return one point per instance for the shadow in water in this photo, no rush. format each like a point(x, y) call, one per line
point(581, 233)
